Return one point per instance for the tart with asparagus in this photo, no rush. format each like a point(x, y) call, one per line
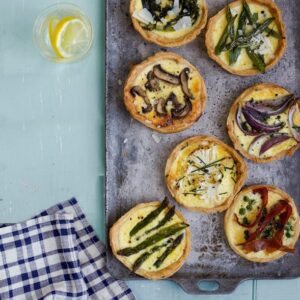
point(152, 239)
point(247, 37)
point(262, 224)
point(203, 174)
point(264, 123)
point(169, 23)
point(165, 93)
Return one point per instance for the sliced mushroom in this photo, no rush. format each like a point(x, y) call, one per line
point(184, 80)
point(160, 107)
point(138, 91)
point(152, 84)
point(163, 75)
point(181, 112)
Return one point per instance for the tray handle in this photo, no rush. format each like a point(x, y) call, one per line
point(208, 286)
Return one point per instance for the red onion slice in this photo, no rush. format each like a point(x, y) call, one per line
point(292, 111)
point(238, 117)
point(276, 102)
point(265, 109)
point(267, 141)
point(273, 142)
point(259, 125)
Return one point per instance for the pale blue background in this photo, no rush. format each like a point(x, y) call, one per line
point(52, 137)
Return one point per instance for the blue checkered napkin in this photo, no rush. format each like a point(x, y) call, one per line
point(56, 255)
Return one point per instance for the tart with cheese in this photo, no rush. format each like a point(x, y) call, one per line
point(152, 240)
point(247, 37)
point(169, 23)
point(262, 224)
point(165, 93)
point(203, 174)
point(264, 123)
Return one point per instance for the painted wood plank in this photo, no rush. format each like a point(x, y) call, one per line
point(278, 289)
point(146, 290)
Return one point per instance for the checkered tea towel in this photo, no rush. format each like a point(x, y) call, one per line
point(56, 255)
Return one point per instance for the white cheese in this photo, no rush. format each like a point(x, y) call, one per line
point(144, 16)
point(175, 10)
point(261, 44)
point(183, 23)
point(234, 11)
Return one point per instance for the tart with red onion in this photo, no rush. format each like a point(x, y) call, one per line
point(264, 123)
point(262, 224)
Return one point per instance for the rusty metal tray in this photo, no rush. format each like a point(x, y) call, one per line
point(135, 155)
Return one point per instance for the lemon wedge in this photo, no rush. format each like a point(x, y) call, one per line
point(70, 37)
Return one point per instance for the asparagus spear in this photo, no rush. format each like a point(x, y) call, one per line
point(222, 42)
point(152, 240)
point(273, 33)
point(142, 258)
point(246, 39)
point(229, 16)
point(168, 251)
point(235, 53)
point(252, 18)
point(253, 21)
point(169, 215)
point(257, 60)
point(149, 218)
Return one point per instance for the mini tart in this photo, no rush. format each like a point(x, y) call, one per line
point(236, 234)
point(273, 47)
point(165, 93)
point(250, 143)
point(169, 38)
point(120, 238)
point(201, 189)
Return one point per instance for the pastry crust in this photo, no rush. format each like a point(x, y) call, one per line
point(198, 104)
point(275, 11)
point(169, 42)
point(163, 273)
point(234, 138)
point(266, 257)
point(241, 173)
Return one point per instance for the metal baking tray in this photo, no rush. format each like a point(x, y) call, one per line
point(136, 156)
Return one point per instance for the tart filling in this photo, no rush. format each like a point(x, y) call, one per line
point(262, 224)
point(247, 35)
point(171, 20)
point(264, 122)
point(151, 238)
point(165, 91)
point(203, 173)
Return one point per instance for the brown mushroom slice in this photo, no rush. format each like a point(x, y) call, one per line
point(163, 75)
point(152, 84)
point(181, 112)
point(160, 107)
point(138, 91)
point(184, 80)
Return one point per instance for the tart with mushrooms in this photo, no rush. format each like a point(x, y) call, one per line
point(247, 37)
point(203, 174)
point(262, 224)
point(264, 123)
point(169, 23)
point(165, 93)
point(152, 239)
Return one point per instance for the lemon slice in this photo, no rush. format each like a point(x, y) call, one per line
point(70, 37)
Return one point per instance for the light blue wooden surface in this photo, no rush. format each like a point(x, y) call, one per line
point(51, 137)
